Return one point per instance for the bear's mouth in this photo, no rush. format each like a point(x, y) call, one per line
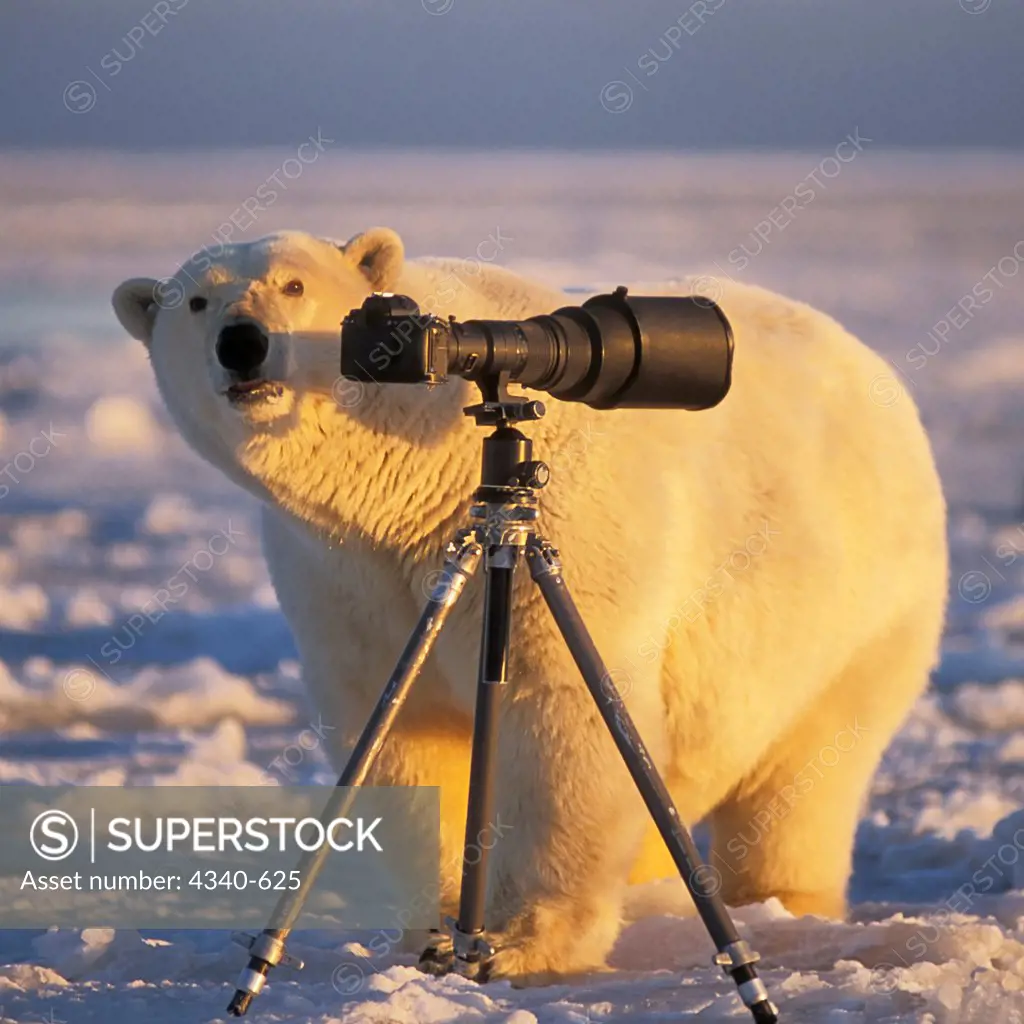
point(249, 392)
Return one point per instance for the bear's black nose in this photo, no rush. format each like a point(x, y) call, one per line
point(242, 347)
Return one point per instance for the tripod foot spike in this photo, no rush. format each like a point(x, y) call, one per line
point(765, 1012)
point(239, 1003)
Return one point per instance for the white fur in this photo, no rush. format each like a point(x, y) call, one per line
point(766, 580)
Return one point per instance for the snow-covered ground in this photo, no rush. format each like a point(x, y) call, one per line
point(102, 506)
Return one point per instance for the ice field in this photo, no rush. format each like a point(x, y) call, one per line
point(101, 505)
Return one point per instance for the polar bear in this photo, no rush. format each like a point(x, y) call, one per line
point(766, 580)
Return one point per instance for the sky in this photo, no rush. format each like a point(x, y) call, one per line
point(607, 74)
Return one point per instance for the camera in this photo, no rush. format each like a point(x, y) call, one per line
point(613, 351)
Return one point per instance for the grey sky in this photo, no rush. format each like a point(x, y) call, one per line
point(755, 73)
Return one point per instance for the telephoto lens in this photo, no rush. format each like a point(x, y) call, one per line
point(614, 351)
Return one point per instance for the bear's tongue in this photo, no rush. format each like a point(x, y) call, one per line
point(244, 386)
point(250, 392)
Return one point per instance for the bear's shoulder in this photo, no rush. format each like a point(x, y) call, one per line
point(468, 288)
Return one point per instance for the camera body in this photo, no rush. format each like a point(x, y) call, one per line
point(390, 341)
point(613, 351)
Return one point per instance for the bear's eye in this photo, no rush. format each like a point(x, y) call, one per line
point(293, 287)
point(197, 303)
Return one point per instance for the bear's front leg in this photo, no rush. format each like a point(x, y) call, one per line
point(569, 824)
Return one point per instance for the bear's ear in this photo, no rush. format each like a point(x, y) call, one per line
point(378, 254)
point(136, 306)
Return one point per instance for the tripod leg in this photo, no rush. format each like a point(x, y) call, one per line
point(734, 955)
point(267, 949)
point(471, 951)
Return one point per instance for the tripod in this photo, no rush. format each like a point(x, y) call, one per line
point(505, 515)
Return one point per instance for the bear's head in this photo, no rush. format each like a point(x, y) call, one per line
point(245, 338)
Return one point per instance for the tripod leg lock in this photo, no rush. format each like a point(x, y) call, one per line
point(736, 954)
point(737, 961)
point(472, 951)
point(266, 950)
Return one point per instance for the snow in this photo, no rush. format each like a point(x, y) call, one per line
point(100, 684)
point(195, 695)
point(23, 606)
point(121, 424)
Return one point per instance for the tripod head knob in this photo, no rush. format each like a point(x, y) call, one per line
point(533, 474)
